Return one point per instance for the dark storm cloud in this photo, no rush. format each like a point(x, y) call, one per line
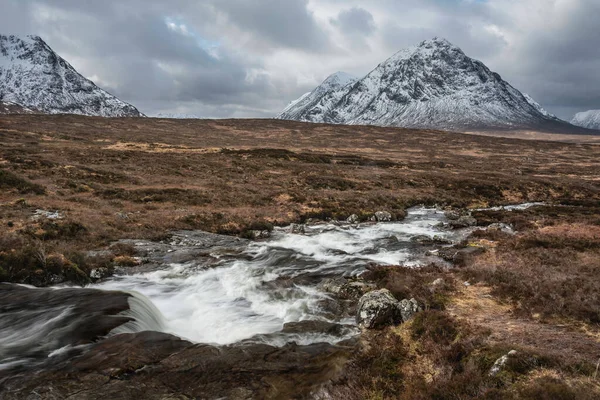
point(245, 58)
point(562, 66)
point(282, 23)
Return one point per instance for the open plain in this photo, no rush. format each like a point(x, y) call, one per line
point(536, 291)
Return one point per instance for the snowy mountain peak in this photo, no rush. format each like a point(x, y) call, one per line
point(34, 76)
point(588, 119)
point(339, 79)
point(321, 98)
point(431, 85)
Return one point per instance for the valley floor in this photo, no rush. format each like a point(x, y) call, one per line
point(72, 184)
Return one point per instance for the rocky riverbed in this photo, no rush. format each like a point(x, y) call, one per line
point(208, 316)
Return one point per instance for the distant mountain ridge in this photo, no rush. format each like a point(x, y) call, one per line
point(33, 76)
point(176, 116)
point(588, 119)
point(434, 86)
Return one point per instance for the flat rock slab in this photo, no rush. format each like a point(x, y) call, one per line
point(152, 365)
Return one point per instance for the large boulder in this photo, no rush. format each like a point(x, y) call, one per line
point(377, 309)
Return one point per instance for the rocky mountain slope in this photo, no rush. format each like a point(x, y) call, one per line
point(588, 119)
point(8, 107)
point(432, 85)
point(312, 105)
point(33, 76)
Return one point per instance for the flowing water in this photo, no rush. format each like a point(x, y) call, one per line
point(267, 284)
point(221, 290)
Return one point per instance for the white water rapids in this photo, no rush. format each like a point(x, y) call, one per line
point(274, 282)
point(221, 290)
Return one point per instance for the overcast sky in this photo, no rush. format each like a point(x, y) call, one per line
point(250, 58)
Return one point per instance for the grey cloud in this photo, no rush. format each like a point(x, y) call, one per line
point(355, 21)
point(250, 58)
point(282, 23)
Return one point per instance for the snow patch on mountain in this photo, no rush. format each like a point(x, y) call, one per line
point(34, 76)
point(538, 107)
point(588, 119)
point(432, 85)
point(310, 105)
point(8, 107)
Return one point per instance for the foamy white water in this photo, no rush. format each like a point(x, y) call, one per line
point(275, 282)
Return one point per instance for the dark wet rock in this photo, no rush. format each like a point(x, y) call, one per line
point(49, 319)
point(452, 215)
point(408, 309)
point(428, 240)
point(332, 285)
point(377, 309)
point(459, 256)
point(187, 246)
point(323, 327)
point(152, 365)
point(465, 221)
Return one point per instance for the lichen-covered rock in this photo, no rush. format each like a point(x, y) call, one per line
point(298, 229)
point(452, 215)
point(501, 362)
point(261, 234)
point(383, 216)
point(353, 219)
point(377, 309)
point(408, 308)
point(501, 228)
point(100, 273)
point(346, 289)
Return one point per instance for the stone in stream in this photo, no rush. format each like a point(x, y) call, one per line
point(353, 219)
point(261, 234)
point(383, 216)
point(428, 240)
point(464, 221)
point(46, 320)
point(452, 215)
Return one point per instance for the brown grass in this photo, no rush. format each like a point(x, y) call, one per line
point(142, 178)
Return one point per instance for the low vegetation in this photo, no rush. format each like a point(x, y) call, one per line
point(536, 292)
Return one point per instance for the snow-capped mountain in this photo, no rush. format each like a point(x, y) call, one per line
point(8, 107)
point(588, 119)
point(432, 85)
point(176, 116)
point(312, 105)
point(34, 76)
